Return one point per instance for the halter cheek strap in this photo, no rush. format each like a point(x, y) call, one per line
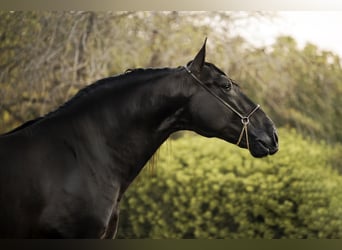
point(244, 119)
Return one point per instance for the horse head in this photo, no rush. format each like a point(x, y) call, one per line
point(218, 108)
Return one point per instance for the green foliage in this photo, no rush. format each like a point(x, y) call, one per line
point(211, 189)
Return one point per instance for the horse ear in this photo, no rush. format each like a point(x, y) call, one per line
point(198, 62)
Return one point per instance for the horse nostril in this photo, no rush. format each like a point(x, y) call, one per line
point(275, 137)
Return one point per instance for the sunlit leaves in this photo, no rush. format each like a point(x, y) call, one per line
point(210, 189)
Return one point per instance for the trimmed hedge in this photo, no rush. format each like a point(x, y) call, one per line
point(208, 188)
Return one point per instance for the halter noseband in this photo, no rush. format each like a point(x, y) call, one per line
point(244, 119)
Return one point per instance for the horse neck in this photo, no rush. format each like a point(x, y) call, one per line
point(131, 123)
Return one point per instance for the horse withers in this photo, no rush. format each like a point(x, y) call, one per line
point(63, 175)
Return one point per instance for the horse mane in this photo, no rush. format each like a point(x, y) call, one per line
point(23, 126)
point(115, 81)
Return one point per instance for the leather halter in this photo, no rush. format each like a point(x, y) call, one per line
point(244, 119)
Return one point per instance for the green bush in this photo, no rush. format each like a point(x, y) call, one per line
point(208, 188)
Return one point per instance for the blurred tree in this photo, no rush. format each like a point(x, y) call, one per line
point(306, 91)
point(45, 57)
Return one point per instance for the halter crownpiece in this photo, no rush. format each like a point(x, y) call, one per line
point(244, 119)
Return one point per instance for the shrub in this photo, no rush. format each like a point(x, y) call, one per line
point(211, 189)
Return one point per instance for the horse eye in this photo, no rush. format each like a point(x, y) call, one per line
point(227, 86)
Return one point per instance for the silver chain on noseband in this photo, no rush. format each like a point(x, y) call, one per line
point(244, 119)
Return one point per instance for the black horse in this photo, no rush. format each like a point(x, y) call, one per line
point(63, 175)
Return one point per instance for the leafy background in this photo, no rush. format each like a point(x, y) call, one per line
point(202, 188)
point(214, 190)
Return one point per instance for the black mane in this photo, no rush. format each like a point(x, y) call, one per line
point(130, 76)
point(116, 81)
point(23, 126)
